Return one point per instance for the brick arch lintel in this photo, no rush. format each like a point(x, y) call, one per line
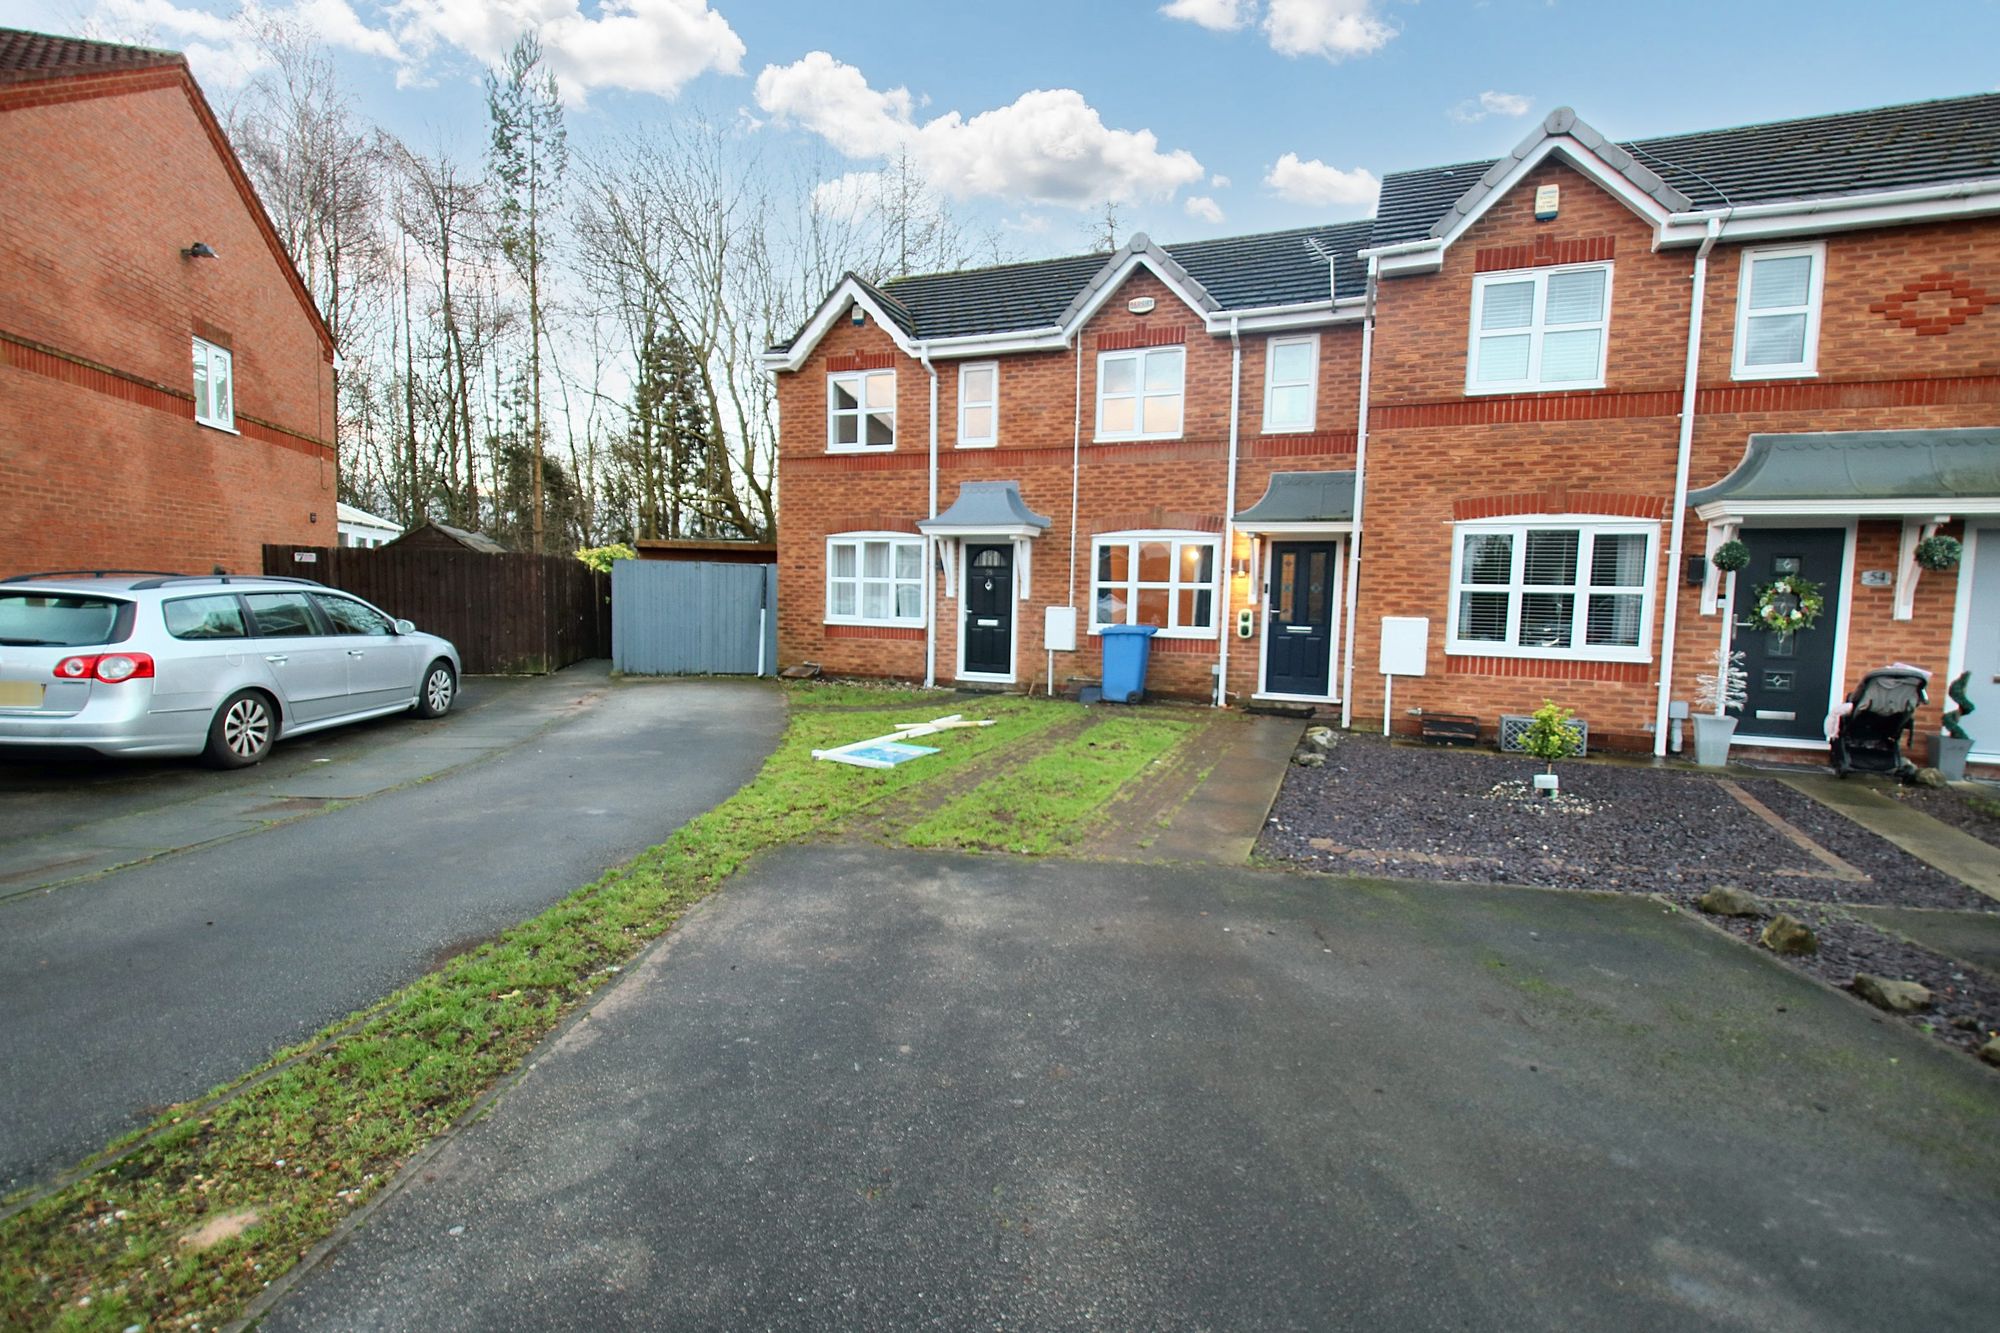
point(1560, 500)
point(1158, 518)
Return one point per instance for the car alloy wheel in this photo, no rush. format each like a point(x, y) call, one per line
point(246, 728)
point(440, 685)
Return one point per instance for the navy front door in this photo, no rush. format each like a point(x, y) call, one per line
point(1298, 632)
point(1791, 674)
point(989, 610)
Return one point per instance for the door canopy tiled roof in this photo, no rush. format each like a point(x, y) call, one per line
point(1862, 467)
point(1303, 497)
point(986, 506)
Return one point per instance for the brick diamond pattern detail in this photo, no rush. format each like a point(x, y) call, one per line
point(1908, 307)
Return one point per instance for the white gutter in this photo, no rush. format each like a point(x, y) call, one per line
point(1228, 552)
point(1681, 461)
point(1844, 203)
point(930, 542)
point(1360, 484)
point(1399, 248)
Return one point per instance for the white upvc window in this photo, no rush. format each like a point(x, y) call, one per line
point(1291, 381)
point(874, 579)
point(1777, 312)
point(214, 386)
point(861, 411)
point(979, 405)
point(1535, 329)
point(1558, 587)
point(1140, 393)
point(1168, 579)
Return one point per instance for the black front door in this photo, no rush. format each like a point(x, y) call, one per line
point(1790, 674)
point(1298, 633)
point(989, 610)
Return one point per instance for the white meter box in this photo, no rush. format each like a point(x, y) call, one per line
point(1406, 645)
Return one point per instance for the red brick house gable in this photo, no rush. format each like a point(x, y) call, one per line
point(120, 452)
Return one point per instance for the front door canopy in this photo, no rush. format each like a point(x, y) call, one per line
point(1302, 502)
point(1867, 473)
point(987, 509)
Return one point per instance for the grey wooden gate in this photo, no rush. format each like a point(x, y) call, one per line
point(688, 618)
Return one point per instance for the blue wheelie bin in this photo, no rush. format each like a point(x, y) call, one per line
point(1127, 649)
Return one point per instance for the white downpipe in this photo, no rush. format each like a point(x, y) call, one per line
point(1228, 552)
point(930, 542)
point(1672, 581)
point(1075, 486)
point(1360, 483)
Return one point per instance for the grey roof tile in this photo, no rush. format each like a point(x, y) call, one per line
point(38, 55)
point(1894, 147)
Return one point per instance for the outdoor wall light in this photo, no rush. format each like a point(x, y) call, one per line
point(199, 250)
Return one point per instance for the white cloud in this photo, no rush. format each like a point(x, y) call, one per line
point(1314, 182)
point(851, 197)
point(1218, 182)
point(1335, 29)
point(1215, 15)
point(224, 51)
point(1202, 208)
point(1048, 146)
point(646, 46)
point(1490, 103)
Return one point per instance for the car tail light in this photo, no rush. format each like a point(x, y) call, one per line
point(110, 668)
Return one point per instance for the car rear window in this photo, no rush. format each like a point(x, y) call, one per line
point(206, 618)
point(59, 620)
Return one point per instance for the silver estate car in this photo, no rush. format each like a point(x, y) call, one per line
point(220, 665)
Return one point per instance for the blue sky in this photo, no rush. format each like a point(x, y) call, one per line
point(1205, 117)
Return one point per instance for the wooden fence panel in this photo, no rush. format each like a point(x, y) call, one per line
point(507, 614)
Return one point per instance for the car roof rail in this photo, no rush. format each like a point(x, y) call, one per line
point(148, 585)
point(87, 574)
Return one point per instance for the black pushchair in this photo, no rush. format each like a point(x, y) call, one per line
point(1880, 715)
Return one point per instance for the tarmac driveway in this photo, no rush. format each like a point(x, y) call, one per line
point(875, 1090)
point(213, 938)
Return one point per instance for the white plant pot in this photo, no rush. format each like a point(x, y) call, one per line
point(1712, 736)
point(1547, 784)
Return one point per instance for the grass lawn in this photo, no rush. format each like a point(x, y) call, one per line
point(268, 1166)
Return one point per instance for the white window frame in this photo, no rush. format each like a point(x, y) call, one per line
point(859, 541)
point(967, 440)
point(859, 378)
point(1173, 587)
point(1536, 329)
point(1806, 369)
point(1139, 357)
point(1589, 527)
point(1272, 384)
point(205, 413)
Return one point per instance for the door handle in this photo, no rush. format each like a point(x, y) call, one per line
point(356, 652)
point(277, 659)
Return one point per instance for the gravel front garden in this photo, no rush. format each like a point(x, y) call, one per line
point(1413, 812)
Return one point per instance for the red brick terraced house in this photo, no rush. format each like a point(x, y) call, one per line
point(1502, 424)
point(166, 384)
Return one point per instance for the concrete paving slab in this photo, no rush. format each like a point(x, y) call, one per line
point(1220, 822)
point(1932, 841)
point(1970, 937)
point(871, 1090)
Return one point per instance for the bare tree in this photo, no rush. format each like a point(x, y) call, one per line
point(529, 153)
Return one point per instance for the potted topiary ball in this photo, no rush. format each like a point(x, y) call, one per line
point(1730, 557)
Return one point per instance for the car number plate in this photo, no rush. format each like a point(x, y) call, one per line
point(20, 694)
